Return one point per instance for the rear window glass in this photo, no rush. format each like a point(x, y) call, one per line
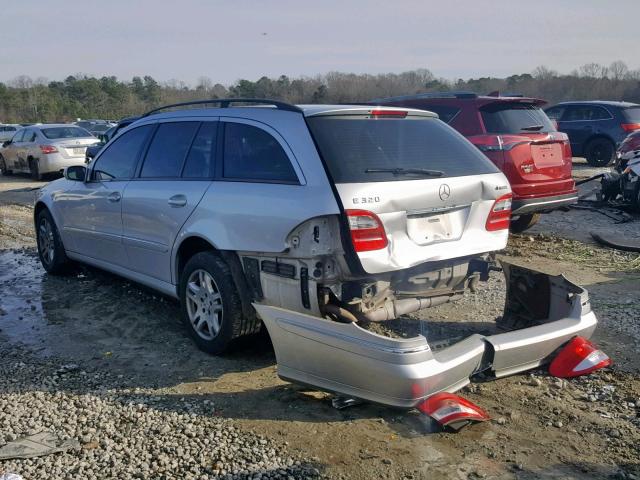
point(65, 132)
point(515, 118)
point(352, 145)
point(632, 114)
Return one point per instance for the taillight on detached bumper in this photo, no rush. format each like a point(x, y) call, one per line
point(578, 357)
point(500, 214)
point(367, 231)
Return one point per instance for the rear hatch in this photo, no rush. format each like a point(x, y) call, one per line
point(413, 189)
point(522, 141)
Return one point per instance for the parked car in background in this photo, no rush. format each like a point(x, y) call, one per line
point(518, 138)
point(95, 127)
point(104, 138)
point(596, 128)
point(43, 149)
point(311, 219)
point(7, 131)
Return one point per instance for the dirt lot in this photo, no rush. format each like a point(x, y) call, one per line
point(97, 359)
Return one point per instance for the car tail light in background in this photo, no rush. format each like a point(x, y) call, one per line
point(367, 231)
point(630, 127)
point(389, 113)
point(578, 357)
point(48, 149)
point(451, 410)
point(500, 214)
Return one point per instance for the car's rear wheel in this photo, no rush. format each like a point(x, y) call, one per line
point(600, 152)
point(524, 222)
point(3, 167)
point(50, 248)
point(34, 169)
point(211, 305)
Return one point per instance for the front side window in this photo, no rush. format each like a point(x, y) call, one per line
point(168, 150)
point(251, 153)
point(118, 161)
point(18, 136)
point(555, 113)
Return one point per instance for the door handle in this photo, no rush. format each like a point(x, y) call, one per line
point(114, 197)
point(177, 201)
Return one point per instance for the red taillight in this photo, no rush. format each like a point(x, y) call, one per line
point(48, 149)
point(389, 113)
point(578, 357)
point(367, 231)
point(630, 127)
point(452, 411)
point(500, 214)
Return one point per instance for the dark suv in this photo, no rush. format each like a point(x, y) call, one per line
point(596, 128)
point(518, 137)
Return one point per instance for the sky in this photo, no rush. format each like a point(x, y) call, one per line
point(230, 40)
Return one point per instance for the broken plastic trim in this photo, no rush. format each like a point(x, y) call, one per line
point(451, 410)
point(578, 357)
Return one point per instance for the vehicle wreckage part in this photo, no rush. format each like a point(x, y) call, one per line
point(451, 410)
point(619, 243)
point(578, 357)
point(542, 313)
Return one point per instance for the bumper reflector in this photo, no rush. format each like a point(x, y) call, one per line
point(451, 410)
point(578, 357)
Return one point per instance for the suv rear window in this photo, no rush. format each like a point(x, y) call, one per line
point(507, 117)
point(632, 114)
point(351, 145)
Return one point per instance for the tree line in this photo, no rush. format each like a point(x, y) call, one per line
point(25, 99)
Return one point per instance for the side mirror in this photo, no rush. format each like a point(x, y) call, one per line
point(7, 143)
point(77, 173)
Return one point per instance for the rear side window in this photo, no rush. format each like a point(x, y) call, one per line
point(581, 113)
point(632, 114)
point(118, 161)
point(168, 150)
point(510, 117)
point(251, 153)
point(352, 145)
point(29, 136)
point(203, 149)
point(445, 112)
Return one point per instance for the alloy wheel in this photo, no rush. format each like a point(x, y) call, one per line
point(204, 304)
point(46, 242)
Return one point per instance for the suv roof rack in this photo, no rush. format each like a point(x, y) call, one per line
point(225, 102)
point(452, 94)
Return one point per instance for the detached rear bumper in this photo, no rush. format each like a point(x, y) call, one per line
point(543, 312)
point(521, 206)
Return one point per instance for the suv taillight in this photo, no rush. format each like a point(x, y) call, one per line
point(630, 127)
point(500, 214)
point(367, 231)
point(48, 149)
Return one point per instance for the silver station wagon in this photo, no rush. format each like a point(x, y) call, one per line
point(314, 220)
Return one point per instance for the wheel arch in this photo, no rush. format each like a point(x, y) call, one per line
point(193, 244)
point(597, 136)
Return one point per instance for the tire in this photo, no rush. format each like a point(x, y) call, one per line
point(600, 152)
point(524, 222)
point(34, 169)
point(3, 167)
point(209, 300)
point(50, 248)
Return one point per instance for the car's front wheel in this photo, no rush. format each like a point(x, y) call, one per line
point(3, 167)
point(50, 247)
point(524, 222)
point(211, 305)
point(600, 152)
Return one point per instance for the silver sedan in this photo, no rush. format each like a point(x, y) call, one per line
point(42, 149)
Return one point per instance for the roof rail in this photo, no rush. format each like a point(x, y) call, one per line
point(498, 93)
point(452, 94)
point(225, 102)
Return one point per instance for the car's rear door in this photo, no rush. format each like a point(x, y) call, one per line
point(431, 189)
point(90, 212)
point(173, 177)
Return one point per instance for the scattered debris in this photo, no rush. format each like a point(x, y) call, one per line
point(38, 445)
point(619, 243)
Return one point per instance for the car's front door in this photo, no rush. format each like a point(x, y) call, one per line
point(10, 152)
point(172, 179)
point(90, 212)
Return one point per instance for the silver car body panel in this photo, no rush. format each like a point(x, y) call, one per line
point(347, 359)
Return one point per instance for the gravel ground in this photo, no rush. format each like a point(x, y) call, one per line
point(104, 362)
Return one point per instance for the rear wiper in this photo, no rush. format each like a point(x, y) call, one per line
point(406, 171)
point(533, 128)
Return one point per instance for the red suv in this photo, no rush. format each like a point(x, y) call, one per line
point(518, 137)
